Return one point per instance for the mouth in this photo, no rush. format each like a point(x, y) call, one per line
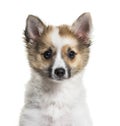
point(59, 78)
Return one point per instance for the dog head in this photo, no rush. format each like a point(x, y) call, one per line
point(58, 52)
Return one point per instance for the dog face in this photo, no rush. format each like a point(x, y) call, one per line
point(58, 52)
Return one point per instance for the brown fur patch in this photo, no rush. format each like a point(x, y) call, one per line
point(81, 50)
point(36, 49)
point(64, 31)
point(78, 63)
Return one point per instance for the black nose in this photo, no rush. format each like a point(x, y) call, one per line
point(59, 72)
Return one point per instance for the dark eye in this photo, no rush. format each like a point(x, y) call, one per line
point(48, 54)
point(71, 54)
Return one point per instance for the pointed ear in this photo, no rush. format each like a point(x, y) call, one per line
point(34, 28)
point(82, 27)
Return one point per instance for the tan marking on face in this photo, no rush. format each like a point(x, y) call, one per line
point(64, 30)
point(80, 59)
point(82, 53)
point(38, 61)
point(37, 49)
point(45, 38)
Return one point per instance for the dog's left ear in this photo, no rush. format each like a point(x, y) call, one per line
point(82, 27)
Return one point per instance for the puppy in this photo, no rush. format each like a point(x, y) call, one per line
point(57, 56)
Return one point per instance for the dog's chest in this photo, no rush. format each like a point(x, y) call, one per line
point(57, 115)
point(56, 108)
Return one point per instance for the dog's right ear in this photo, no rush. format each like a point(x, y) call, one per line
point(34, 28)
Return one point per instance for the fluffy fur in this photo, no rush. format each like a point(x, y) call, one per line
point(56, 98)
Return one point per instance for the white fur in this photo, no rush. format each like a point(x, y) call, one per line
point(49, 103)
point(55, 104)
point(59, 63)
point(59, 42)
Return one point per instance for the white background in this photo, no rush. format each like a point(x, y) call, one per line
point(102, 76)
